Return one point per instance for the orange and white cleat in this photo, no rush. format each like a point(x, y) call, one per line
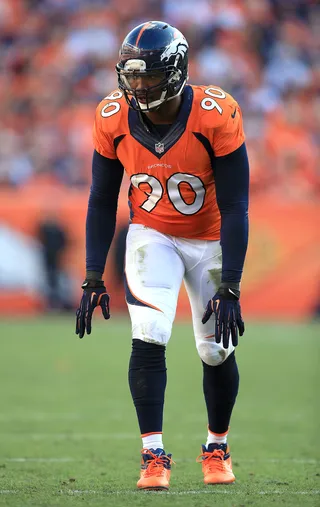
point(216, 464)
point(155, 470)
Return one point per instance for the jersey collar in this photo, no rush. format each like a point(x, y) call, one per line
point(155, 144)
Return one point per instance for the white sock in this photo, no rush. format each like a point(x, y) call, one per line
point(152, 441)
point(216, 438)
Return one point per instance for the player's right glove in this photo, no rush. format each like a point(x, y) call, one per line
point(94, 294)
point(227, 311)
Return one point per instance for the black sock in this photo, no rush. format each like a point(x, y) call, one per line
point(147, 381)
point(220, 387)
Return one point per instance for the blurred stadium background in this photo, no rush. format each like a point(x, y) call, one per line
point(57, 61)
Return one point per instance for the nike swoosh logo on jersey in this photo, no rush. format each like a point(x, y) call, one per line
point(234, 113)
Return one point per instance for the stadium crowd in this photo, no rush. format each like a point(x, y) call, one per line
point(57, 60)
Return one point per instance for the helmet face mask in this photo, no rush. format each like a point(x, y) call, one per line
point(157, 87)
point(153, 65)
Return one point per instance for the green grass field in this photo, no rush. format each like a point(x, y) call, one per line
point(69, 436)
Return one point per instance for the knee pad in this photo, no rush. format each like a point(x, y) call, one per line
point(213, 353)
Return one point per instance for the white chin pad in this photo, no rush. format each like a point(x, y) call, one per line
point(155, 103)
point(152, 105)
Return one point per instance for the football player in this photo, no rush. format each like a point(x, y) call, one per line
point(183, 148)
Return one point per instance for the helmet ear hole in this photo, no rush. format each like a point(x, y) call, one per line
point(175, 77)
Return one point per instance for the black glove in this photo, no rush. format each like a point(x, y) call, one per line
point(227, 311)
point(94, 294)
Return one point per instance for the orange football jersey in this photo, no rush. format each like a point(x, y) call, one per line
point(172, 183)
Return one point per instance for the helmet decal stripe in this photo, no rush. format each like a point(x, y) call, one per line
point(145, 26)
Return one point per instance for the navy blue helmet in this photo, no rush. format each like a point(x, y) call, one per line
point(156, 53)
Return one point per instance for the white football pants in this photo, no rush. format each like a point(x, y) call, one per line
point(155, 266)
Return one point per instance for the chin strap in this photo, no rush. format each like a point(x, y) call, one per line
point(155, 104)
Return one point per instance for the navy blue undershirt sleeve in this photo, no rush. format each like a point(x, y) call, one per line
point(231, 173)
point(107, 176)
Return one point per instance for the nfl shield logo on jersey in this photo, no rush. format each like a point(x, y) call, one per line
point(159, 147)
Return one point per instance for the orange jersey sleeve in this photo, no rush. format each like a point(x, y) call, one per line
point(108, 120)
point(230, 135)
point(221, 112)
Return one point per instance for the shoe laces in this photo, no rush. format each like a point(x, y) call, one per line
point(212, 461)
point(156, 464)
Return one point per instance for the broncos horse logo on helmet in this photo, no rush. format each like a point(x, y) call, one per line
point(177, 48)
point(153, 49)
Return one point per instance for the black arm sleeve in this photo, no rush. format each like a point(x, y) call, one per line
point(102, 209)
point(231, 174)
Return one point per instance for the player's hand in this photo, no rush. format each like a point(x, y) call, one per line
point(227, 311)
point(94, 294)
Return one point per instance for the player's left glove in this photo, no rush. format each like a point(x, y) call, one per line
point(227, 311)
point(94, 294)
